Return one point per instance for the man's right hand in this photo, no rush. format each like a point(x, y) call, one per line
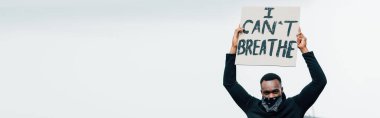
point(235, 39)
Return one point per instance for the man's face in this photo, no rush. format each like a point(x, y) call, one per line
point(271, 89)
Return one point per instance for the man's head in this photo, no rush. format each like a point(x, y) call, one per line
point(271, 86)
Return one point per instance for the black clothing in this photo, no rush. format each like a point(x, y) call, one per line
point(293, 107)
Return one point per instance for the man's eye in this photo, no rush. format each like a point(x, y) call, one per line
point(274, 92)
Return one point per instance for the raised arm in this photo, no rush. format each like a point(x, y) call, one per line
point(310, 92)
point(237, 92)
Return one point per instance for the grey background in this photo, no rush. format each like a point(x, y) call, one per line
point(140, 59)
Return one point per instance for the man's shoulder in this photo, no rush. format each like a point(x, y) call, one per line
point(290, 104)
point(290, 100)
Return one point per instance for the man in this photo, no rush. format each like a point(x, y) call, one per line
point(274, 103)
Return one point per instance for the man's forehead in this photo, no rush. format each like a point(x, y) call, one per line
point(270, 85)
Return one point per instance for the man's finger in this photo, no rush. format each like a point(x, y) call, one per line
point(299, 29)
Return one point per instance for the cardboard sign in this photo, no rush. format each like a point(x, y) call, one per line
point(269, 36)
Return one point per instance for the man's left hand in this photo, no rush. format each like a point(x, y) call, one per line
point(301, 42)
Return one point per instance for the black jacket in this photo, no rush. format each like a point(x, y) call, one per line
point(292, 107)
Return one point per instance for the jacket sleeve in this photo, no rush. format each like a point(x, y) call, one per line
point(310, 92)
point(237, 92)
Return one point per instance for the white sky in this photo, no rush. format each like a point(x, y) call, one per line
point(140, 59)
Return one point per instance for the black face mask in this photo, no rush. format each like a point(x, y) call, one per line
point(270, 101)
point(271, 104)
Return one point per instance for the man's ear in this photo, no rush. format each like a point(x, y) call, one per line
point(282, 89)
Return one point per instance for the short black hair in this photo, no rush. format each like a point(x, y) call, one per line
point(270, 76)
